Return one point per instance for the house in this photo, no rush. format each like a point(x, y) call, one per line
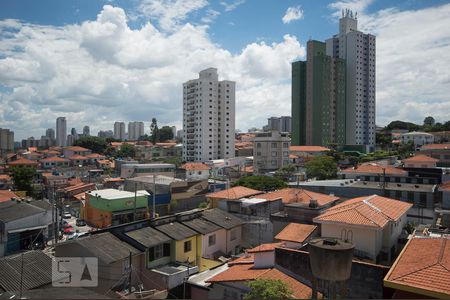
point(23, 162)
point(108, 207)
point(94, 158)
point(372, 223)
point(113, 258)
point(299, 155)
point(243, 149)
point(213, 237)
point(196, 171)
point(420, 161)
point(417, 138)
point(68, 152)
point(134, 170)
point(445, 206)
point(234, 193)
point(422, 270)
point(78, 160)
point(296, 235)
point(373, 172)
point(22, 225)
point(438, 151)
point(232, 283)
point(54, 162)
point(5, 182)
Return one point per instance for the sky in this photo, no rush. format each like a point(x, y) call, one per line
point(96, 62)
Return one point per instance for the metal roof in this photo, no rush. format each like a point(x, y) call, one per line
point(221, 218)
point(177, 231)
point(148, 236)
point(37, 271)
point(13, 210)
point(113, 194)
point(201, 225)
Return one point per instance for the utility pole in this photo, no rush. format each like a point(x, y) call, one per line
point(154, 196)
point(135, 196)
point(129, 275)
point(21, 277)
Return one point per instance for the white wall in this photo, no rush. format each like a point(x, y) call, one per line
point(231, 244)
point(265, 259)
point(220, 245)
point(197, 175)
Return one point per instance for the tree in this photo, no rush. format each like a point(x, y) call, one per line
point(126, 150)
point(429, 121)
point(155, 135)
point(286, 172)
point(268, 289)
point(165, 133)
point(322, 167)
point(95, 144)
point(261, 183)
point(402, 125)
point(23, 178)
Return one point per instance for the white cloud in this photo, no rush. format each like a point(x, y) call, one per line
point(102, 71)
point(229, 6)
point(293, 14)
point(170, 13)
point(358, 6)
point(210, 16)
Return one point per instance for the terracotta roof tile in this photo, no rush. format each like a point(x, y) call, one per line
point(445, 186)
point(308, 149)
point(22, 162)
point(6, 195)
point(234, 193)
point(375, 169)
point(94, 155)
point(420, 158)
point(77, 148)
point(5, 177)
point(295, 232)
point(194, 167)
point(373, 211)
point(78, 157)
point(423, 264)
point(300, 290)
point(249, 259)
point(293, 195)
point(54, 159)
point(264, 248)
point(435, 147)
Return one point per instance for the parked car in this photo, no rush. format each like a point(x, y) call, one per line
point(80, 222)
point(69, 230)
point(67, 215)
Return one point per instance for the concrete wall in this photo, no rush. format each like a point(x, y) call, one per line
point(265, 259)
point(366, 280)
point(182, 256)
point(255, 230)
point(220, 245)
point(231, 244)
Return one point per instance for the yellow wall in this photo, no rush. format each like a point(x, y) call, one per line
point(193, 255)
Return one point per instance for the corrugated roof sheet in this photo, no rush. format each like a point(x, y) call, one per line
point(201, 225)
point(148, 236)
point(177, 231)
point(11, 210)
point(221, 218)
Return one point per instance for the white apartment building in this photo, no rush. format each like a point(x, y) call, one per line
point(270, 151)
point(119, 131)
point(417, 138)
point(358, 50)
point(61, 132)
point(135, 130)
point(208, 117)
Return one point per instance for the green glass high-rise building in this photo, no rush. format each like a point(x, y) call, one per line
point(318, 98)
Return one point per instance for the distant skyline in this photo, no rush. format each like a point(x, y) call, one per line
point(97, 62)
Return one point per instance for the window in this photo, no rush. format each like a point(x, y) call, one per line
point(187, 246)
point(159, 251)
point(233, 235)
point(258, 145)
point(212, 240)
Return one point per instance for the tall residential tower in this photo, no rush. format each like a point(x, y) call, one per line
point(208, 117)
point(119, 131)
point(61, 132)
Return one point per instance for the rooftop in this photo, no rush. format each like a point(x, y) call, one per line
point(445, 186)
point(308, 149)
point(296, 195)
point(159, 179)
point(6, 195)
point(76, 148)
point(264, 248)
point(13, 210)
point(201, 225)
point(195, 167)
point(234, 193)
point(435, 147)
point(422, 266)
point(420, 158)
point(78, 157)
point(176, 231)
point(295, 232)
point(54, 159)
point(373, 168)
point(374, 211)
point(112, 194)
point(221, 218)
point(22, 161)
point(148, 236)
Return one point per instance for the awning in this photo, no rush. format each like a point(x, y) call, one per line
point(27, 228)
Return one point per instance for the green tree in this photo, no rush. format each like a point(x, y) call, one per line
point(165, 133)
point(126, 150)
point(405, 150)
point(321, 167)
point(382, 140)
point(155, 135)
point(402, 125)
point(286, 172)
point(261, 183)
point(23, 178)
point(268, 289)
point(429, 121)
point(95, 144)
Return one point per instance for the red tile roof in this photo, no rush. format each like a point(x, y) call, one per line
point(435, 147)
point(247, 272)
point(264, 248)
point(293, 195)
point(420, 158)
point(234, 193)
point(424, 265)
point(194, 167)
point(249, 259)
point(22, 162)
point(295, 232)
point(375, 169)
point(6, 195)
point(373, 211)
point(5, 177)
point(94, 155)
point(445, 186)
point(77, 148)
point(308, 149)
point(78, 157)
point(54, 159)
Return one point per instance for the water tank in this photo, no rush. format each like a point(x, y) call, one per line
point(331, 258)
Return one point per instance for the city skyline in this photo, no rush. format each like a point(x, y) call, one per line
point(95, 77)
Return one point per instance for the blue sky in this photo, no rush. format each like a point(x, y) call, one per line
point(97, 62)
